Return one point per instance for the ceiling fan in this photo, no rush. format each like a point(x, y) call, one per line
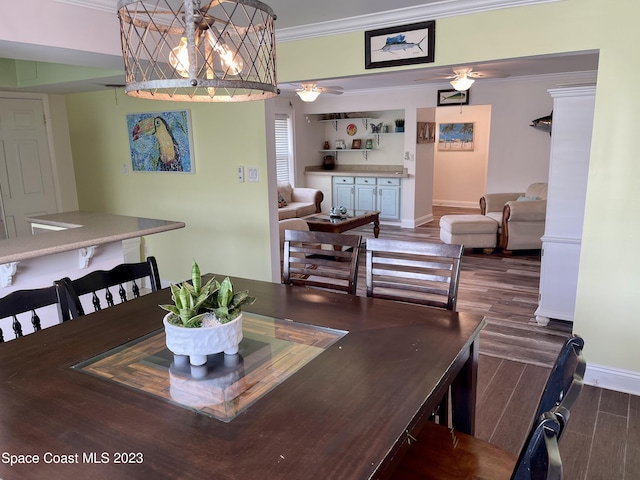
point(463, 77)
point(308, 92)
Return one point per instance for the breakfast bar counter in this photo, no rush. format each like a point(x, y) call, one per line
point(75, 230)
point(71, 244)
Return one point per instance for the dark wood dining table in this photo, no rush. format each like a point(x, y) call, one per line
point(346, 414)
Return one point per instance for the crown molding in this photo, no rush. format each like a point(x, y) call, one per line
point(389, 18)
point(102, 5)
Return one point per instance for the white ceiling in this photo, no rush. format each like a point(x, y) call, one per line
point(306, 18)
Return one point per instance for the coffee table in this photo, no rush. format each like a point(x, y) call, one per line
point(323, 222)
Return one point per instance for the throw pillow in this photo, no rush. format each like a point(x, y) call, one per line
point(522, 198)
point(281, 201)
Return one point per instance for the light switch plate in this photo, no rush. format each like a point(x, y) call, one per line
point(253, 174)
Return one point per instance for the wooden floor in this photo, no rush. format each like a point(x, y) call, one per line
point(603, 437)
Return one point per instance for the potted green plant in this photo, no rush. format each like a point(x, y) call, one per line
point(399, 124)
point(204, 319)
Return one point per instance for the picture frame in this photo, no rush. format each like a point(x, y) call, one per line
point(452, 97)
point(356, 144)
point(426, 132)
point(403, 45)
point(161, 142)
point(456, 137)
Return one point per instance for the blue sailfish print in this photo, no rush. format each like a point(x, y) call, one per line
point(399, 43)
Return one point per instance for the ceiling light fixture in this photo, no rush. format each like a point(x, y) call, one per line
point(309, 93)
point(178, 50)
point(462, 83)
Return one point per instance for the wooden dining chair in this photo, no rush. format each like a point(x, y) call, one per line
point(100, 282)
point(321, 259)
point(414, 272)
point(28, 302)
point(438, 453)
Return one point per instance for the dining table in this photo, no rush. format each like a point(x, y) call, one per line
point(325, 385)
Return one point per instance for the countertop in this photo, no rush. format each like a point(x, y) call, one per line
point(84, 229)
point(360, 171)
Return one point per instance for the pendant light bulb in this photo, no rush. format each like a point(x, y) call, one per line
point(179, 58)
point(232, 62)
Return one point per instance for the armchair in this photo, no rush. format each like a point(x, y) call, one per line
point(520, 216)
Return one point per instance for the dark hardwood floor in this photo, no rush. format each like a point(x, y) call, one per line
point(603, 437)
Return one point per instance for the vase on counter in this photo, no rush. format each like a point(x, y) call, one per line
point(328, 162)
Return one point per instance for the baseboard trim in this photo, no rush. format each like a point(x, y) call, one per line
point(422, 220)
point(453, 203)
point(617, 379)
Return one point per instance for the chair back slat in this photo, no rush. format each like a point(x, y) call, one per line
point(27, 303)
point(540, 453)
point(102, 281)
point(321, 259)
point(414, 272)
point(565, 381)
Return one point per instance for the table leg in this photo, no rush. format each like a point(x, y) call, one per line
point(463, 393)
point(376, 228)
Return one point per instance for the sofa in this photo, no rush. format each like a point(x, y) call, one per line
point(296, 202)
point(520, 216)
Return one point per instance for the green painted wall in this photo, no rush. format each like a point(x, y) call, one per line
point(226, 221)
point(228, 135)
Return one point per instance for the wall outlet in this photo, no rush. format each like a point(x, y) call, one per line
point(253, 174)
point(241, 174)
point(125, 169)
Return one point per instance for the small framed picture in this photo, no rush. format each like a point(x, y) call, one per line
point(456, 137)
point(452, 97)
point(426, 132)
point(340, 145)
point(356, 144)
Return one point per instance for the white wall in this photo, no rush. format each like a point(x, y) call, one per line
point(518, 153)
point(425, 157)
point(459, 177)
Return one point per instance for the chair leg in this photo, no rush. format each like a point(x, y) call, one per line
point(441, 414)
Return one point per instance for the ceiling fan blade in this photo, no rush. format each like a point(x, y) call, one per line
point(487, 74)
point(439, 77)
point(331, 90)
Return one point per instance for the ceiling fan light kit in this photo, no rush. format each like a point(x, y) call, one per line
point(308, 92)
point(462, 84)
point(180, 50)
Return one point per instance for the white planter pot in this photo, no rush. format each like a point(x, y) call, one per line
point(197, 343)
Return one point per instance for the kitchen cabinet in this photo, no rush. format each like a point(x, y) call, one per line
point(344, 192)
point(369, 193)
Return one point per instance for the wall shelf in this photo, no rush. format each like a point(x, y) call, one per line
point(364, 151)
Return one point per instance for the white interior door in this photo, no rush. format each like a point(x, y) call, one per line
point(26, 177)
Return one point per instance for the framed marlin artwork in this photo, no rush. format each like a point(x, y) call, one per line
point(452, 97)
point(161, 142)
point(405, 45)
